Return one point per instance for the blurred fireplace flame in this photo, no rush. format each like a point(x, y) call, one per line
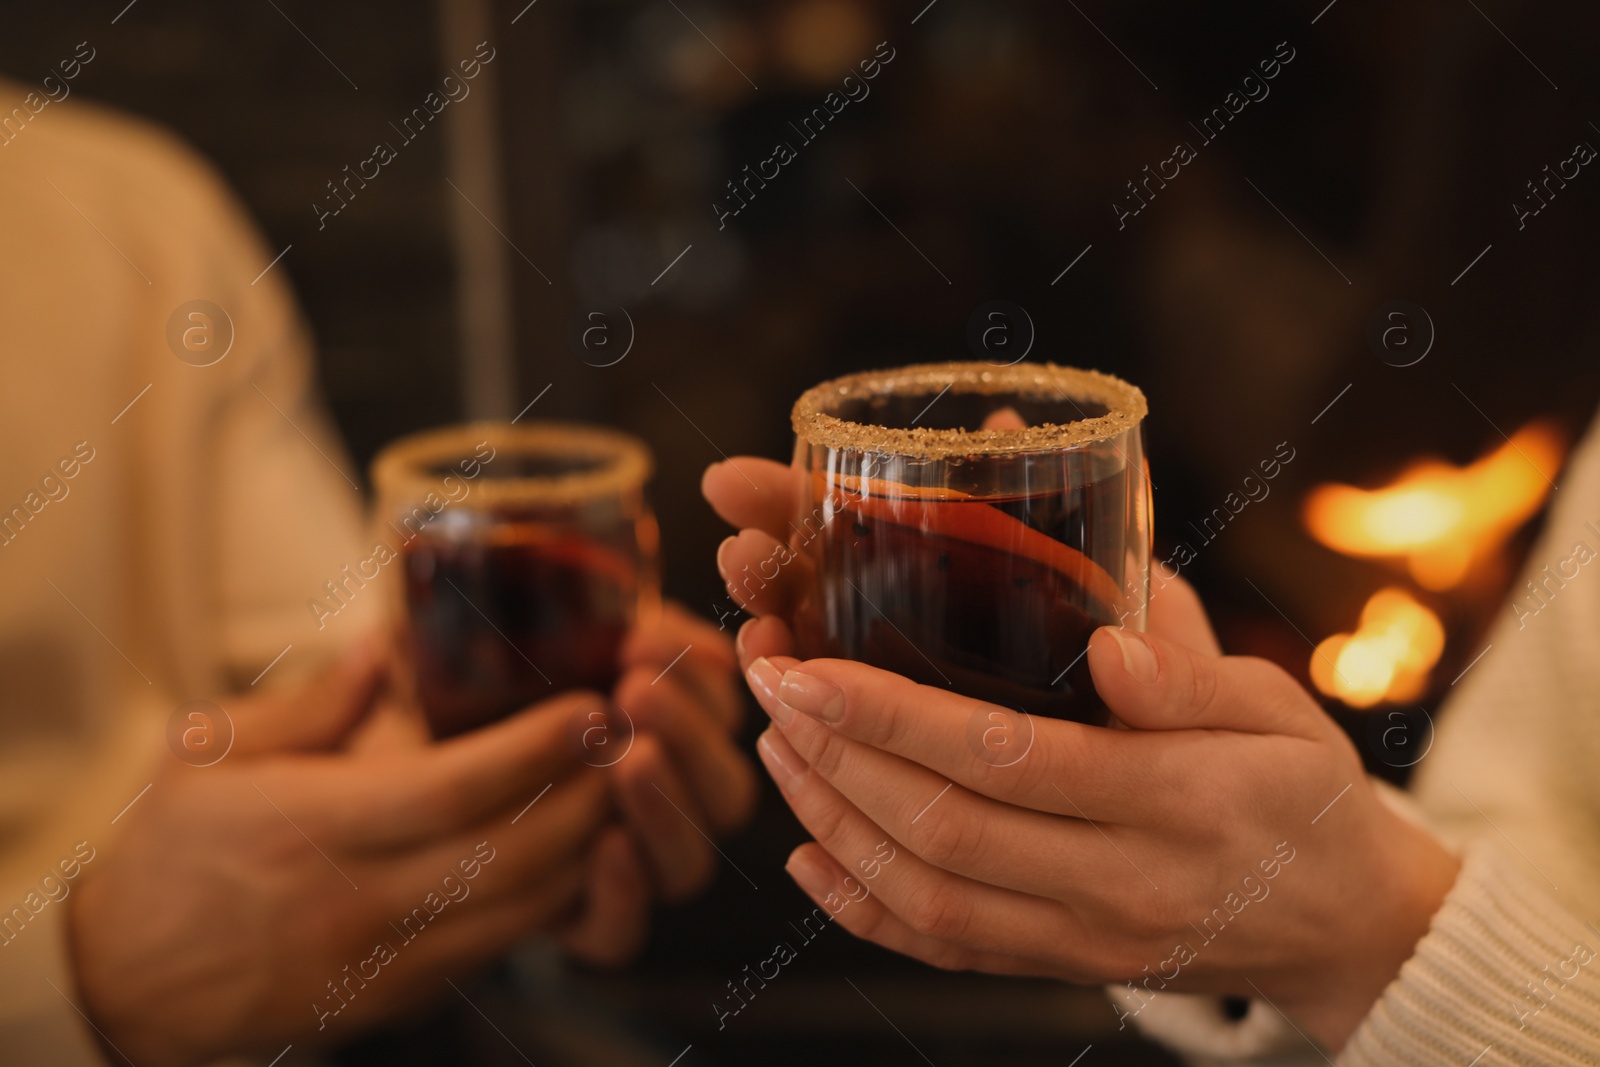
point(1440, 520)
point(1438, 517)
point(1389, 656)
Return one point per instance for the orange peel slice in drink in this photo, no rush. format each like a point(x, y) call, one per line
point(966, 518)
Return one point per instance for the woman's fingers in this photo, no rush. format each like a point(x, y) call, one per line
point(933, 902)
point(751, 492)
point(763, 575)
point(960, 831)
point(848, 899)
point(1177, 615)
point(1049, 765)
point(1153, 684)
point(1006, 418)
point(766, 636)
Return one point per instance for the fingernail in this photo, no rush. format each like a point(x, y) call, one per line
point(809, 876)
point(1138, 657)
point(722, 552)
point(817, 697)
point(765, 680)
point(783, 762)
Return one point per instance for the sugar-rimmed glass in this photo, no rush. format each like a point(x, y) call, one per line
point(971, 526)
point(526, 552)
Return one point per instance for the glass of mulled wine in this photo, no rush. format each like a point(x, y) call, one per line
point(970, 526)
point(525, 554)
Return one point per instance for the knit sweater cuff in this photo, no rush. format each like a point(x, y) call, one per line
point(1504, 966)
point(1504, 974)
point(1199, 1028)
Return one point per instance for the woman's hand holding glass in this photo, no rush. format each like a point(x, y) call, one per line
point(1228, 842)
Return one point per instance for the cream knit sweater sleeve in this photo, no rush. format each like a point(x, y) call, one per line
point(204, 506)
point(1504, 975)
point(1508, 971)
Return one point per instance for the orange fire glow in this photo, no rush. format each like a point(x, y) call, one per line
point(1437, 517)
point(1388, 657)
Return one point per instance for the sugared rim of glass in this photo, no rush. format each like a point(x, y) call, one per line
point(607, 463)
point(1124, 403)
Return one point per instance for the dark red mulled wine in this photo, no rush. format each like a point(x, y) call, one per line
point(979, 560)
point(499, 622)
point(986, 596)
point(525, 553)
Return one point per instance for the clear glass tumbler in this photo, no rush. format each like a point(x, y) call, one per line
point(526, 552)
point(970, 526)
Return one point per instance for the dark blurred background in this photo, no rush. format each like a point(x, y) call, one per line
point(582, 177)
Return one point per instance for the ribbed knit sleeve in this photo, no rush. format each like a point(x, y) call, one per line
point(1505, 973)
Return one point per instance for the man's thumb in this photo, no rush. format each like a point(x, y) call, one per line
point(1151, 684)
point(319, 714)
